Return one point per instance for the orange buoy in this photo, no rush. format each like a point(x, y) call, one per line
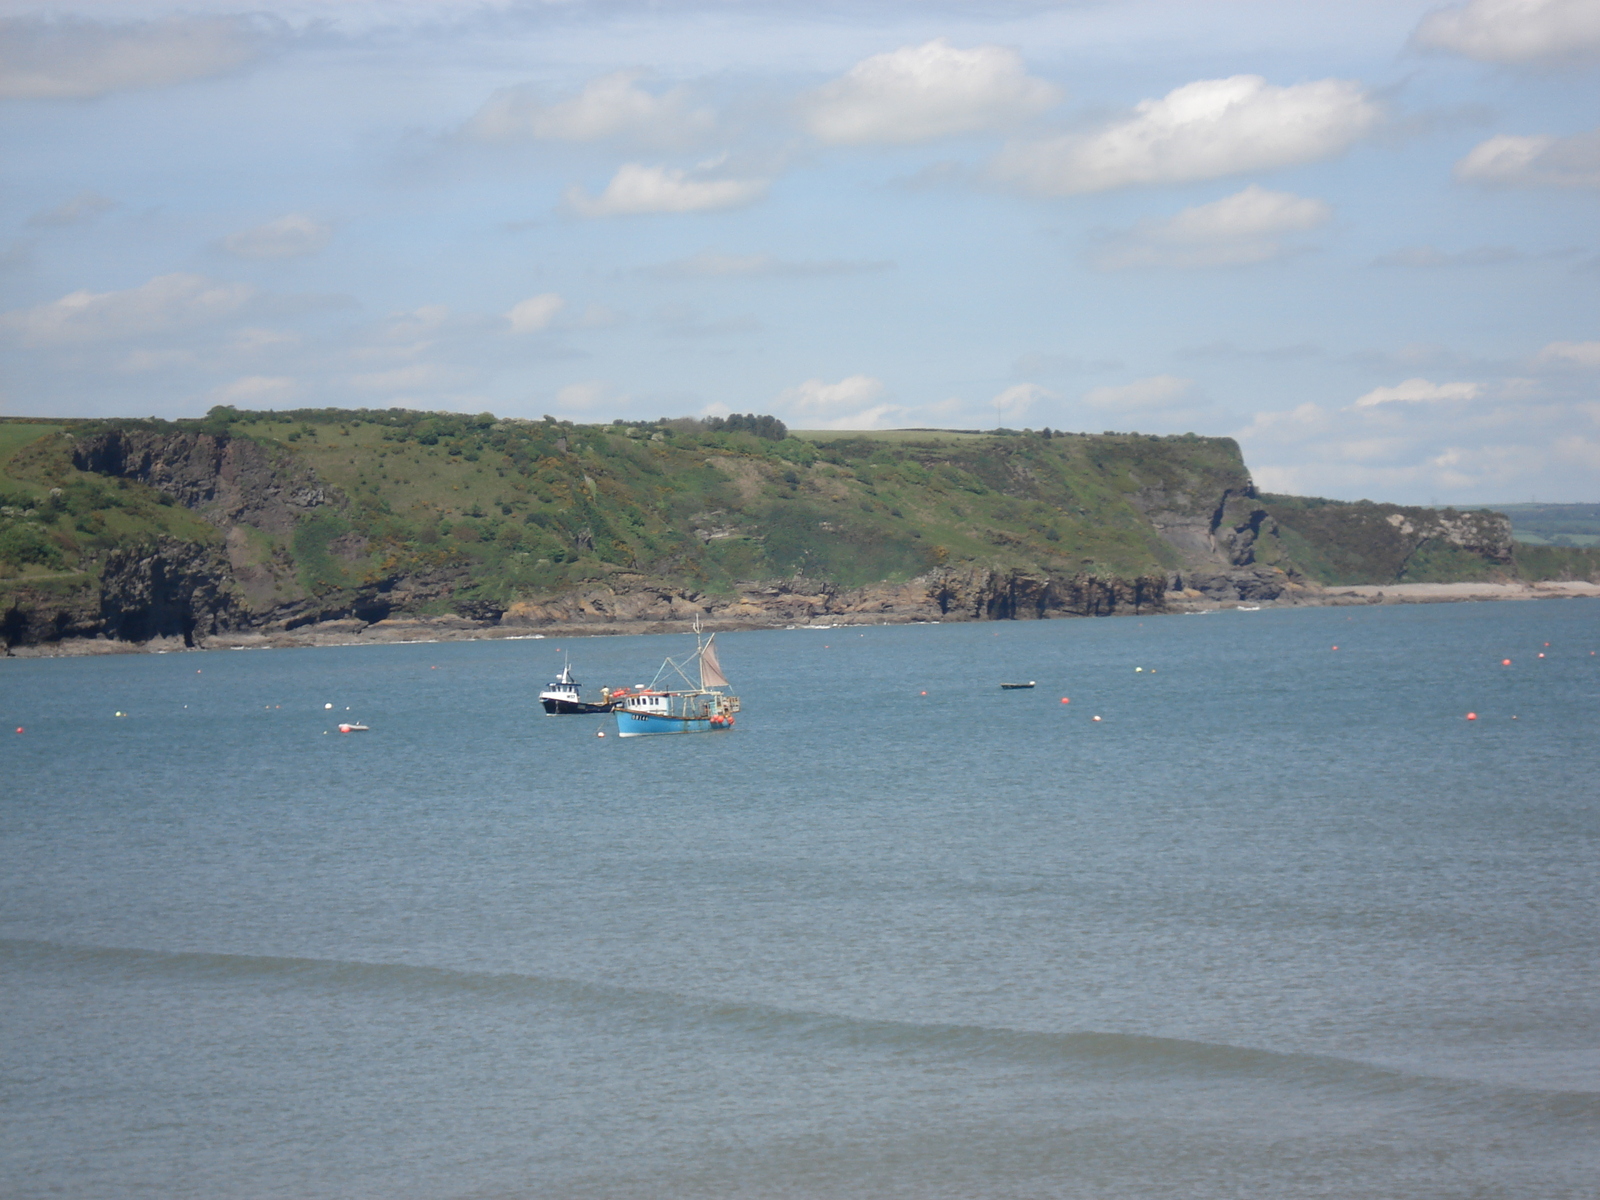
point(1064, 700)
point(924, 693)
point(1505, 662)
point(1336, 647)
point(19, 728)
point(1472, 716)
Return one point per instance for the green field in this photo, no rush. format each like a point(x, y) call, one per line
point(1554, 524)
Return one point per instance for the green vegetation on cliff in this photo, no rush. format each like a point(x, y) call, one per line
point(296, 517)
point(523, 507)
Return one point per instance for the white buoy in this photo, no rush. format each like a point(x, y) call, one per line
point(601, 733)
point(327, 706)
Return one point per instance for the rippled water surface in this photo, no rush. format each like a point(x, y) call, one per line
point(1281, 924)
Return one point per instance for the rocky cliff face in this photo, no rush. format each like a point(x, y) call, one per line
point(169, 589)
point(1227, 539)
point(230, 481)
point(949, 594)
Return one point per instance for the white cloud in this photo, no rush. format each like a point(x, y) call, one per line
point(1013, 404)
point(1538, 160)
point(711, 264)
point(85, 206)
point(1574, 354)
point(1238, 229)
point(292, 236)
point(1509, 440)
point(919, 93)
point(1142, 395)
point(855, 402)
point(609, 107)
point(1419, 391)
point(68, 58)
point(636, 189)
point(1203, 130)
point(166, 303)
point(535, 313)
point(1514, 31)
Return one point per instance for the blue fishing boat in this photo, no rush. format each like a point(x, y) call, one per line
point(698, 707)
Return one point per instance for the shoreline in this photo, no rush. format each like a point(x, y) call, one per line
point(453, 628)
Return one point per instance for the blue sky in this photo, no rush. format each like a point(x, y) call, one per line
point(1359, 237)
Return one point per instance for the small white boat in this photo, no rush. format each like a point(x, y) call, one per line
point(565, 696)
point(352, 727)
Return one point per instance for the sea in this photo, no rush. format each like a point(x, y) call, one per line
point(1278, 904)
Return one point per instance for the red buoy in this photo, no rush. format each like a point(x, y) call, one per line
point(1472, 716)
point(1505, 662)
point(1064, 700)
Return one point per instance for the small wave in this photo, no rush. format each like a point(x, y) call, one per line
point(1108, 1055)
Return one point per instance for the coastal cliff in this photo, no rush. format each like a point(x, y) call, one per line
point(292, 528)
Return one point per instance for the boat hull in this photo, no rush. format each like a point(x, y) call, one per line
point(638, 724)
point(554, 707)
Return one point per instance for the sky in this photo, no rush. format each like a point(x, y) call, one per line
point(1361, 237)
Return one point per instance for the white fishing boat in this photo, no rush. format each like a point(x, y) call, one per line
point(700, 706)
point(566, 696)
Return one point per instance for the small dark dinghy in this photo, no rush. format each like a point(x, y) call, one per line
point(1013, 687)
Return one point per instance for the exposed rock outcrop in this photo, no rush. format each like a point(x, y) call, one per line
point(227, 480)
point(169, 589)
point(958, 594)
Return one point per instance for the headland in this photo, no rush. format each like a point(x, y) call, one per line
point(322, 527)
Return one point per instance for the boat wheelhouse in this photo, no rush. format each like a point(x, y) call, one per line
point(565, 696)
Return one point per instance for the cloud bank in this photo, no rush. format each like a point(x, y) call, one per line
point(855, 402)
point(1203, 130)
point(1540, 160)
point(637, 189)
point(611, 107)
point(164, 304)
point(535, 313)
point(1237, 230)
point(920, 93)
point(74, 59)
point(1514, 31)
point(1419, 391)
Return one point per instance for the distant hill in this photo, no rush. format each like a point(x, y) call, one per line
point(1554, 524)
point(276, 521)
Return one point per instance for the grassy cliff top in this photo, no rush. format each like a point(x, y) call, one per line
point(537, 506)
